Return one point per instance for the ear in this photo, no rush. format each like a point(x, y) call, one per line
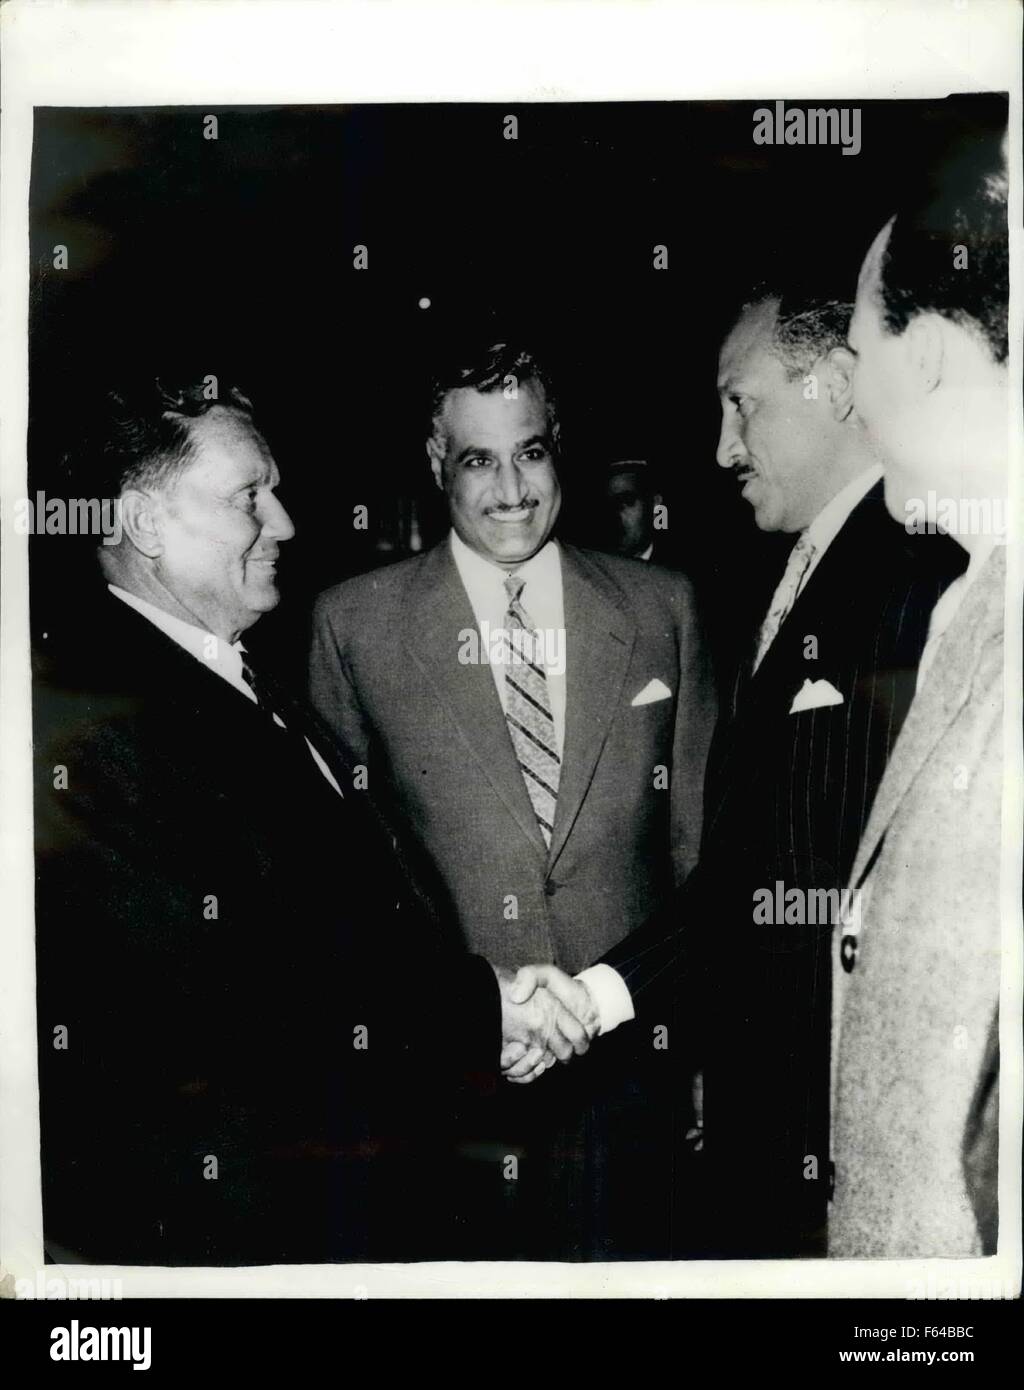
point(841, 366)
point(924, 347)
point(140, 522)
point(436, 456)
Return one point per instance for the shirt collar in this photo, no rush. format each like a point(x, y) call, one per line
point(224, 657)
point(480, 574)
point(832, 517)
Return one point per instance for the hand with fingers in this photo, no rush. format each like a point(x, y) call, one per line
point(569, 1020)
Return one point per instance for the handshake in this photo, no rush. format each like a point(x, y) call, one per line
point(545, 1015)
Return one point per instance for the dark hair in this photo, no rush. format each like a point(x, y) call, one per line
point(806, 327)
point(138, 434)
point(488, 370)
point(918, 267)
point(642, 470)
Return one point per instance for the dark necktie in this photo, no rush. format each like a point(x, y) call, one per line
point(273, 700)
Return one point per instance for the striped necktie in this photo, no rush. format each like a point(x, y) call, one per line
point(528, 711)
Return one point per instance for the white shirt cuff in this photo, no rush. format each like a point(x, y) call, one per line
point(611, 995)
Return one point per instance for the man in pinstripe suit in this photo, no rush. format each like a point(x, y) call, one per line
point(791, 778)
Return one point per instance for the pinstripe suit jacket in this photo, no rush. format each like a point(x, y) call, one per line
point(916, 1066)
point(786, 801)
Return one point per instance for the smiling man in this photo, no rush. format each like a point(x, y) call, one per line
point(548, 804)
point(234, 976)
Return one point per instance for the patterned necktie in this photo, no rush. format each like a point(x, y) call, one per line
point(800, 558)
point(528, 712)
point(274, 704)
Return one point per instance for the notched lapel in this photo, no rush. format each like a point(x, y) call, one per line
point(941, 698)
point(600, 636)
point(436, 610)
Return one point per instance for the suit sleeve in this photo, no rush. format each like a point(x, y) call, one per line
point(663, 961)
point(696, 710)
point(165, 994)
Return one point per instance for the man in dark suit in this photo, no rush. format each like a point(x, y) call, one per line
point(547, 805)
point(231, 1001)
point(744, 948)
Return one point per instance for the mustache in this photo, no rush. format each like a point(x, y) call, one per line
point(515, 506)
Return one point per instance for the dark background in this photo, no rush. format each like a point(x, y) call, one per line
point(234, 257)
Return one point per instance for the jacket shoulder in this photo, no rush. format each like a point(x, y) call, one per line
point(638, 578)
point(366, 591)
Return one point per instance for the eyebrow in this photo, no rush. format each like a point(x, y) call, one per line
point(471, 449)
point(265, 478)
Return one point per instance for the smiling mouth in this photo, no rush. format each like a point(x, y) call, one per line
point(514, 513)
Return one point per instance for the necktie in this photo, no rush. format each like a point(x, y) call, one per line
point(273, 701)
point(800, 558)
point(528, 712)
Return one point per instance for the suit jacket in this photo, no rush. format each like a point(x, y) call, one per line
point(442, 768)
point(215, 928)
point(916, 1107)
point(786, 800)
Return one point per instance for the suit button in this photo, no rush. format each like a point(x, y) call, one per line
point(551, 888)
point(848, 953)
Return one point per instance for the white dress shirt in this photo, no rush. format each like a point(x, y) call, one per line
point(225, 658)
point(607, 987)
point(484, 584)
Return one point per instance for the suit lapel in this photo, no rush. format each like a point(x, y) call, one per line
point(600, 636)
point(941, 698)
point(437, 610)
point(828, 597)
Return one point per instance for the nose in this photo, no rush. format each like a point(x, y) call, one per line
point(731, 449)
point(277, 524)
point(508, 485)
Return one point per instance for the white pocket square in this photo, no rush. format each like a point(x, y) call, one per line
point(815, 695)
point(653, 690)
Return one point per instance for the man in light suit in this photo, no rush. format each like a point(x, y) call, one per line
point(915, 1123)
point(230, 1038)
point(547, 807)
point(791, 777)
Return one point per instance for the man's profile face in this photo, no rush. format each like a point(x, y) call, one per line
point(498, 472)
point(892, 413)
point(630, 512)
point(221, 526)
point(772, 438)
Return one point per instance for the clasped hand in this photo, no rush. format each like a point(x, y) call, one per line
point(545, 1015)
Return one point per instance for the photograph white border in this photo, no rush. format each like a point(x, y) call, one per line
point(219, 53)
